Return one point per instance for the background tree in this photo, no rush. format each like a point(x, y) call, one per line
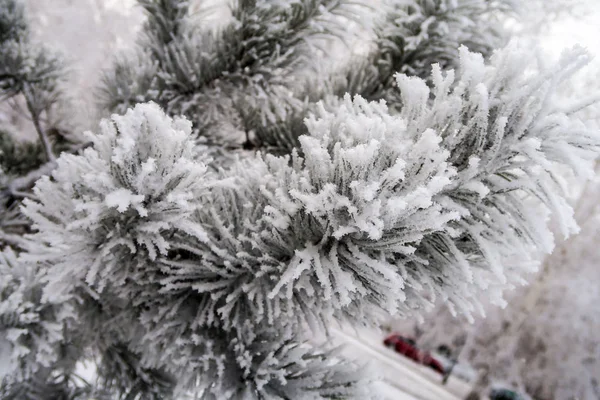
point(31, 88)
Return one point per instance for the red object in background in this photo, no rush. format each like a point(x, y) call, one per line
point(407, 348)
point(432, 363)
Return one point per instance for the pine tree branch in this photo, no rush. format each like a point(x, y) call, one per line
point(35, 117)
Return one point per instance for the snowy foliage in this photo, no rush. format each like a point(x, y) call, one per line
point(504, 137)
point(129, 204)
point(121, 203)
point(329, 216)
point(182, 276)
point(416, 34)
point(544, 342)
point(224, 80)
point(402, 203)
point(205, 268)
point(32, 330)
point(247, 81)
point(122, 200)
point(402, 36)
point(427, 32)
point(261, 363)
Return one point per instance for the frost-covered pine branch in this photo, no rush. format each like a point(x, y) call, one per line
point(425, 32)
point(523, 345)
point(164, 195)
point(38, 347)
point(416, 34)
point(229, 80)
point(408, 37)
point(215, 280)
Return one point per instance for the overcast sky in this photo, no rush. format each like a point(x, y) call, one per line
point(583, 29)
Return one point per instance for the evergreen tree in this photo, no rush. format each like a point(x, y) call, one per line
point(226, 214)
